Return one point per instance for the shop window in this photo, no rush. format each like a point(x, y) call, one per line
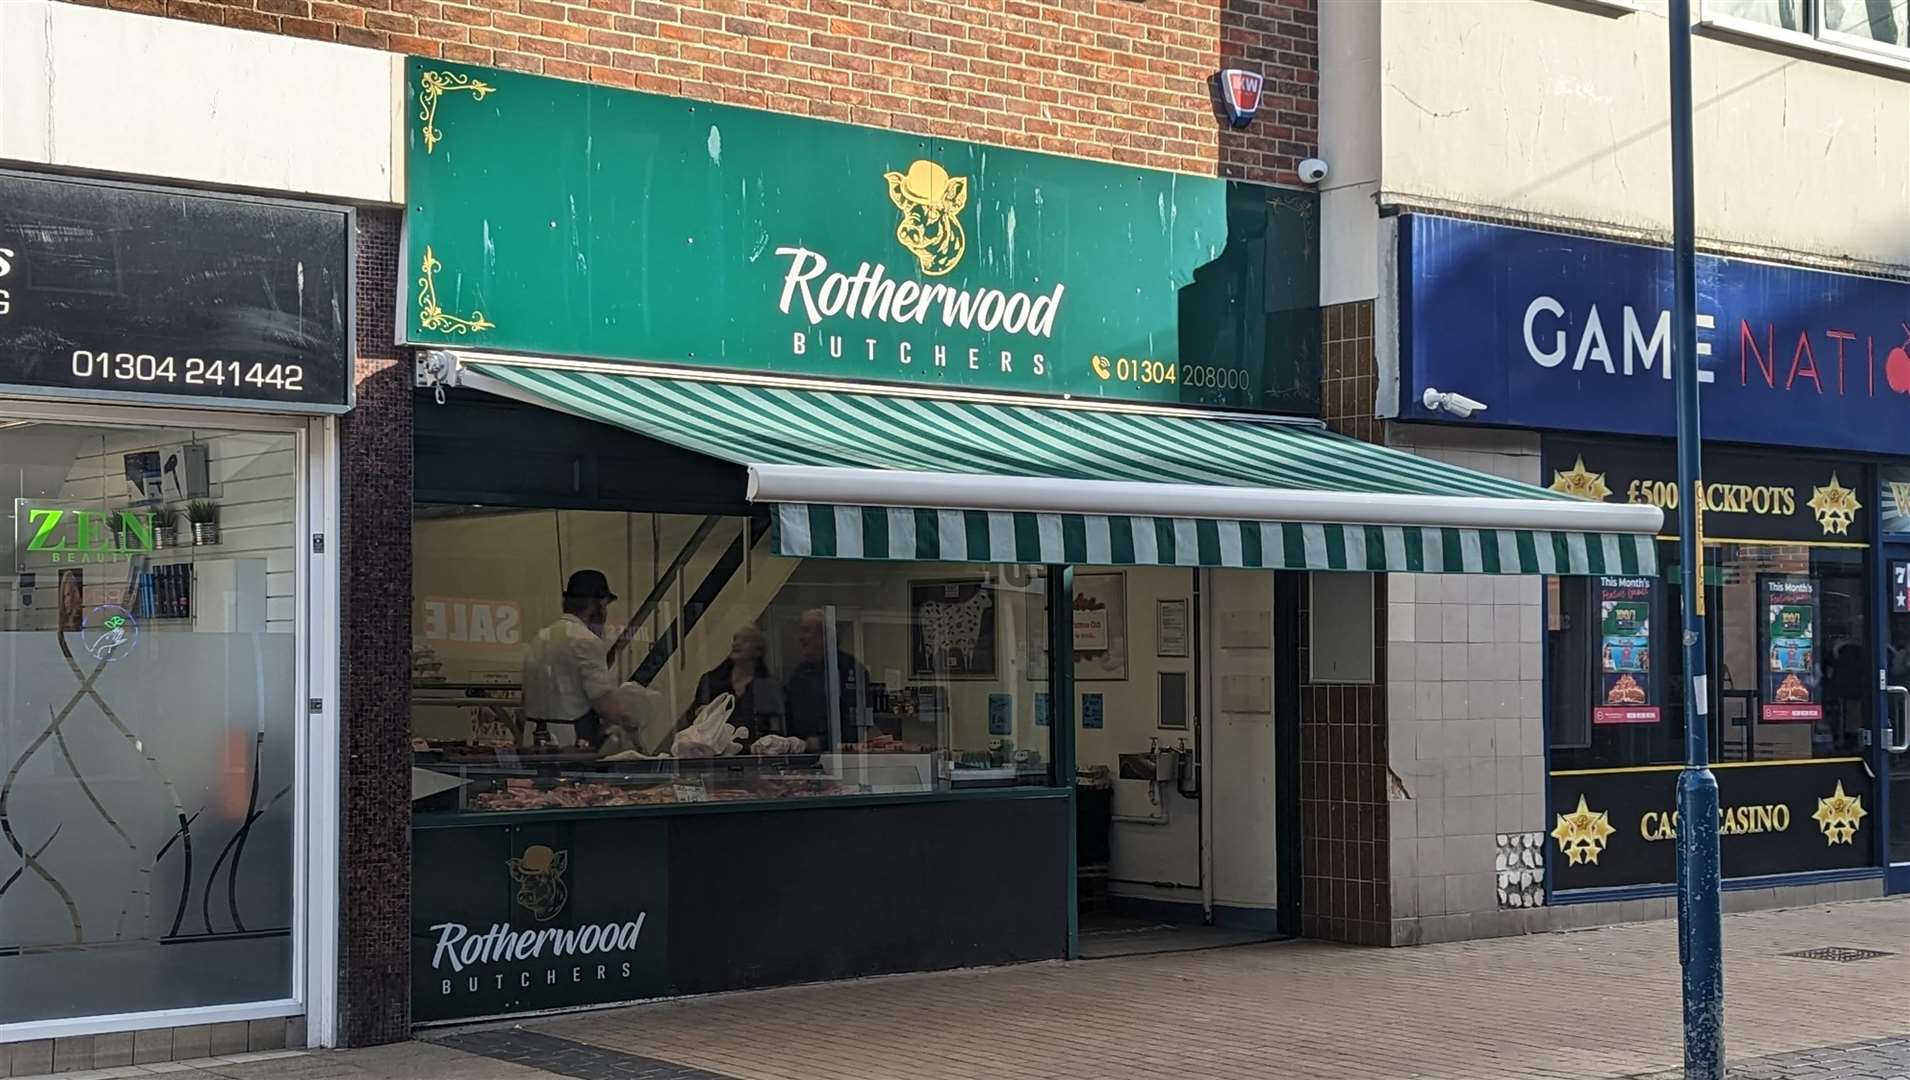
point(1790, 661)
point(147, 719)
point(1876, 30)
point(1776, 14)
point(690, 664)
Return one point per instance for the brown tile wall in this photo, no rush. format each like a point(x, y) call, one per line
point(1349, 380)
point(374, 990)
point(1345, 859)
point(1107, 79)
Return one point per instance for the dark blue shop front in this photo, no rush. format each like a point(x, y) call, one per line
point(1805, 391)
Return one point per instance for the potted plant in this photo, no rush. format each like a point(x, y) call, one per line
point(165, 526)
point(204, 516)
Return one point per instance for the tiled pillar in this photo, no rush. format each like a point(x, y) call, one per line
point(374, 937)
point(1345, 861)
point(1466, 685)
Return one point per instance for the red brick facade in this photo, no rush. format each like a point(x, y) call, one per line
point(1120, 80)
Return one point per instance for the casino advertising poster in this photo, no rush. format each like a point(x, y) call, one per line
point(1790, 681)
point(1624, 678)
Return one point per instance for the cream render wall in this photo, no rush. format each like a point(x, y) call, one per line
point(1535, 108)
point(113, 92)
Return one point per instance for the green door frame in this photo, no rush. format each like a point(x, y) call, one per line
point(1061, 726)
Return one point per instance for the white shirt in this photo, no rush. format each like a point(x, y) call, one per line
point(564, 672)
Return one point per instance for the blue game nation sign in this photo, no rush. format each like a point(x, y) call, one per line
point(1574, 334)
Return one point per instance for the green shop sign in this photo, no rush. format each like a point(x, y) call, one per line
point(558, 218)
point(67, 535)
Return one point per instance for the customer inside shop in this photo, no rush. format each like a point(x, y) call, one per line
point(581, 658)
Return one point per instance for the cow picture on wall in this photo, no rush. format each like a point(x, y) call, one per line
point(952, 629)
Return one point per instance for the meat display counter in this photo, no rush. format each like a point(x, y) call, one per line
point(506, 779)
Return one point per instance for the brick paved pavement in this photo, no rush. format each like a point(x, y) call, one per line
point(1596, 1003)
point(1593, 1005)
point(1871, 1059)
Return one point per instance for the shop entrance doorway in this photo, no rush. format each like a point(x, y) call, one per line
point(1176, 731)
point(1895, 721)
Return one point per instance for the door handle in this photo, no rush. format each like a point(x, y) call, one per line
point(1899, 719)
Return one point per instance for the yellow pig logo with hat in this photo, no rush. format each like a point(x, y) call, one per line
point(931, 202)
point(539, 874)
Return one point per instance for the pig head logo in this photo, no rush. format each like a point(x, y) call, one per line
point(539, 874)
point(931, 202)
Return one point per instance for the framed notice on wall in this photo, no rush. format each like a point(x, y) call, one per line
point(1788, 678)
point(1100, 627)
point(1626, 689)
point(1170, 628)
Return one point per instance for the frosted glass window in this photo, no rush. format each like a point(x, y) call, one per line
point(147, 719)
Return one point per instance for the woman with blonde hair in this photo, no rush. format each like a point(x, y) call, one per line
point(745, 674)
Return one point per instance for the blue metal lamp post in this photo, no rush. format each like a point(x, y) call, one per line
point(1700, 920)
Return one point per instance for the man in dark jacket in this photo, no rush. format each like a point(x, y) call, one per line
point(807, 691)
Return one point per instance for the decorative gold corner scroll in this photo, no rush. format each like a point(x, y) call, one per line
point(433, 317)
point(433, 85)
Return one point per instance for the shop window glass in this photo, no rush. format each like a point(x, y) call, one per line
point(147, 720)
point(1791, 659)
point(1777, 14)
point(1885, 22)
point(713, 669)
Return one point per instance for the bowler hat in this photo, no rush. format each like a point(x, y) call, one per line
point(589, 585)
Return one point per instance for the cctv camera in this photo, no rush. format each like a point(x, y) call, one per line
point(1312, 170)
point(1458, 405)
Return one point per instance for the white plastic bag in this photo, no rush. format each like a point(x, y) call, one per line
point(774, 745)
point(711, 734)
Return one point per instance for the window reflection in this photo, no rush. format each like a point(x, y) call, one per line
point(1782, 14)
point(584, 658)
point(1790, 661)
point(1886, 22)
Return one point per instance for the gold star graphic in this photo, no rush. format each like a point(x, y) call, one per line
point(1836, 507)
point(1839, 815)
point(1581, 834)
point(1581, 482)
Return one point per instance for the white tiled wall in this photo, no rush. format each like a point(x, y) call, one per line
point(1465, 692)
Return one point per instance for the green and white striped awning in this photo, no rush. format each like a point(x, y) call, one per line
point(848, 473)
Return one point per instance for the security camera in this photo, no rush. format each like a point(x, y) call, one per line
point(1312, 171)
point(1459, 405)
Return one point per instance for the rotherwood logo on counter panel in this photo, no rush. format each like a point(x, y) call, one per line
point(660, 230)
point(514, 919)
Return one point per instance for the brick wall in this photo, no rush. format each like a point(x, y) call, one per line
point(1111, 79)
point(374, 955)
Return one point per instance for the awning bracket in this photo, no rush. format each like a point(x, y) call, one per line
point(435, 369)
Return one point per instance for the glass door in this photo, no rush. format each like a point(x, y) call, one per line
point(1896, 717)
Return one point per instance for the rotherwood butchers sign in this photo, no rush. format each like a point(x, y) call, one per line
point(517, 918)
point(660, 230)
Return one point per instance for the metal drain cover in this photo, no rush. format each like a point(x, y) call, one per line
point(1838, 954)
